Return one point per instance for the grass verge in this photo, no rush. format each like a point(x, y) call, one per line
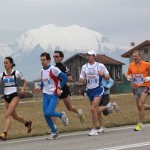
point(32, 110)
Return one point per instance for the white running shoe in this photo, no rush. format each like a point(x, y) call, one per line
point(101, 130)
point(64, 119)
point(81, 116)
point(116, 107)
point(110, 107)
point(53, 136)
point(93, 132)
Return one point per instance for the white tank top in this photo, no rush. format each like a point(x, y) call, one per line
point(9, 81)
point(91, 73)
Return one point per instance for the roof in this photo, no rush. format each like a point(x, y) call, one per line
point(129, 53)
point(100, 58)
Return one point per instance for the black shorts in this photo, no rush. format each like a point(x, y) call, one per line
point(65, 93)
point(8, 98)
point(104, 101)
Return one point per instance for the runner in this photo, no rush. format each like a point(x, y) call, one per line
point(9, 79)
point(137, 73)
point(65, 96)
point(51, 87)
point(105, 106)
point(90, 74)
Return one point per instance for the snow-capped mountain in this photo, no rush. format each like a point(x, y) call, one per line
point(27, 48)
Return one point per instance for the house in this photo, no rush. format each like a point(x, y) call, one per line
point(143, 48)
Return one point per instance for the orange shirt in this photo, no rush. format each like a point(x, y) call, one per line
point(138, 73)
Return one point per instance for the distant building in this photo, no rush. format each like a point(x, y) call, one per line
point(143, 48)
point(75, 63)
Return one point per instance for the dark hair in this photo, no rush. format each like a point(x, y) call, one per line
point(47, 55)
point(61, 54)
point(11, 61)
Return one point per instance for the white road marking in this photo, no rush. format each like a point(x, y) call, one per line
point(126, 146)
point(68, 134)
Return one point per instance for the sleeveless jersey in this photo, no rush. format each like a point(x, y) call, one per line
point(91, 73)
point(10, 81)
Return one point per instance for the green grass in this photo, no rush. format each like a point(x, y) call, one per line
point(32, 110)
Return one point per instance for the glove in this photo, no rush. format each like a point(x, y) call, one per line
point(106, 88)
point(129, 78)
point(146, 79)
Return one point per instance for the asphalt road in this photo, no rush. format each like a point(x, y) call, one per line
point(118, 138)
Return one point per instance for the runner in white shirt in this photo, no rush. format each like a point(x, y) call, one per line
point(91, 75)
point(51, 86)
point(9, 80)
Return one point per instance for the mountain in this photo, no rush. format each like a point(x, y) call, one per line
point(27, 48)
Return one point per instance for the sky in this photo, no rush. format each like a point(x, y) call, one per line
point(122, 21)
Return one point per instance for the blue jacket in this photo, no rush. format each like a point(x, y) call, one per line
point(107, 84)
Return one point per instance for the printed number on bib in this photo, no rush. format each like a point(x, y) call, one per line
point(138, 78)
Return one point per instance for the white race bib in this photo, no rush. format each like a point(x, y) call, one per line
point(138, 78)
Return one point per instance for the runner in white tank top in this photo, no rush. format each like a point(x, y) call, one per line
point(91, 75)
point(9, 80)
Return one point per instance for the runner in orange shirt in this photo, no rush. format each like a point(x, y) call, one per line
point(138, 74)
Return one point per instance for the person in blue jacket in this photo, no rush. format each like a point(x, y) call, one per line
point(105, 106)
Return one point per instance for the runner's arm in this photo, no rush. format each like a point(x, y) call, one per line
point(129, 75)
point(110, 83)
point(63, 78)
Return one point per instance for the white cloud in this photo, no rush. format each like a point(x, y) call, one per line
point(66, 38)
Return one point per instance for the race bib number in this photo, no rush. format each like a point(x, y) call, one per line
point(92, 81)
point(46, 83)
point(138, 78)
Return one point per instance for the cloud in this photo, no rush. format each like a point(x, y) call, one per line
point(50, 37)
point(68, 38)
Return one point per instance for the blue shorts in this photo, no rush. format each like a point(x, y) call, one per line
point(96, 92)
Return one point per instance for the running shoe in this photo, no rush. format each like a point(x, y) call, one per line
point(53, 136)
point(3, 136)
point(109, 107)
point(93, 132)
point(81, 116)
point(29, 126)
point(101, 130)
point(138, 127)
point(116, 107)
point(64, 119)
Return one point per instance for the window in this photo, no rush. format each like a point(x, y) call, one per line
point(146, 51)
